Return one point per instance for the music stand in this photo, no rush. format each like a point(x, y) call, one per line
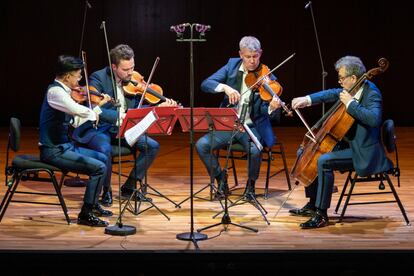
point(163, 125)
point(207, 120)
point(225, 119)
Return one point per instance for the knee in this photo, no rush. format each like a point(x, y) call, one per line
point(255, 153)
point(202, 147)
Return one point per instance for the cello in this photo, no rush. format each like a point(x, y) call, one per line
point(331, 129)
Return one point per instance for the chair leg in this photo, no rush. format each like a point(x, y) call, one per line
point(348, 178)
point(397, 199)
point(59, 193)
point(269, 160)
point(9, 195)
point(348, 197)
point(282, 152)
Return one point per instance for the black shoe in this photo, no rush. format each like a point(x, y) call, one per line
point(90, 219)
point(317, 221)
point(106, 199)
point(306, 211)
point(126, 192)
point(98, 211)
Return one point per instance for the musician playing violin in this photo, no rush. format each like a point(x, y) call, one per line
point(122, 63)
point(361, 149)
point(230, 79)
point(57, 112)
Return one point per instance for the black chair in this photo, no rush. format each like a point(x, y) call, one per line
point(122, 151)
point(237, 153)
point(28, 167)
point(389, 142)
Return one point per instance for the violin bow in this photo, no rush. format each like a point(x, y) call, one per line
point(157, 60)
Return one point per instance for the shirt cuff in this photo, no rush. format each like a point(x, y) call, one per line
point(97, 110)
point(308, 98)
point(349, 103)
point(219, 88)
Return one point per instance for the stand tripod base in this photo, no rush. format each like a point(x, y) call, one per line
point(192, 236)
point(120, 230)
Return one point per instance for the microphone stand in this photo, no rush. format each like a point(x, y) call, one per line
point(77, 181)
point(324, 73)
point(191, 236)
point(119, 229)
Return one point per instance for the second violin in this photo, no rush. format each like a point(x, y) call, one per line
point(137, 86)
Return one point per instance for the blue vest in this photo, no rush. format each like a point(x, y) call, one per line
point(54, 124)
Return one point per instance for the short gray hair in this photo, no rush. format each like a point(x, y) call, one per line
point(251, 43)
point(353, 66)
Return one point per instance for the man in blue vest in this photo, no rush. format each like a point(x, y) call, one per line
point(362, 149)
point(57, 112)
point(230, 80)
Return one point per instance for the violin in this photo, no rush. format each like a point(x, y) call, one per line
point(80, 95)
point(137, 86)
point(268, 89)
point(260, 81)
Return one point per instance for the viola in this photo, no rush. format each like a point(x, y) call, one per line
point(267, 88)
point(137, 86)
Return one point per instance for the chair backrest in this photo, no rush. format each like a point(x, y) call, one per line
point(388, 135)
point(14, 134)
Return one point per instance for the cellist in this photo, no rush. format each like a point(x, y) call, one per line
point(361, 149)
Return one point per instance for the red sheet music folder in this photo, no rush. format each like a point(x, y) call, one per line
point(223, 119)
point(163, 126)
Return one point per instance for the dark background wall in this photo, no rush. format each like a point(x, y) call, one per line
point(34, 33)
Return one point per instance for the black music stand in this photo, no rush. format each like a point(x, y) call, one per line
point(248, 198)
point(162, 126)
point(212, 119)
point(207, 120)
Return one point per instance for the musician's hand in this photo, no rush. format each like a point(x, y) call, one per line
point(274, 104)
point(106, 98)
point(345, 97)
point(169, 102)
point(234, 95)
point(300, 102)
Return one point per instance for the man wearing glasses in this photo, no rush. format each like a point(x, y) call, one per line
point(361, 149)
point(56, 114)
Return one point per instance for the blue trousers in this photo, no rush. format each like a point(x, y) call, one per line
point(208, 143)
point(320, 191)
point(79, 160)
point(148, 149)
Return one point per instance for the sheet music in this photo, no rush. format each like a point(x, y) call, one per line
point(253, 137)
point(132, 134)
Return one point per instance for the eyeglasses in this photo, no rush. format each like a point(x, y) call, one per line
point(79, 77)
point(341, 79)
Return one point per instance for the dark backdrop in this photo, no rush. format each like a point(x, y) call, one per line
point(34, 33)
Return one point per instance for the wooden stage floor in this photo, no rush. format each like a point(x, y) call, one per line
point(366, 228)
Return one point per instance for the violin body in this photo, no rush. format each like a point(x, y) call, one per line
point(137, 86)
point(267, 88)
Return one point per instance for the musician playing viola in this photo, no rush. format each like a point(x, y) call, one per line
point(122, 63)
point(361, 149)
point(57, 112)
point(230, 79)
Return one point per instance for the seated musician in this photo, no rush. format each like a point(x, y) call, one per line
point(55, 147)
point(363, 150)
point(230, 79)
point(123, 63)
